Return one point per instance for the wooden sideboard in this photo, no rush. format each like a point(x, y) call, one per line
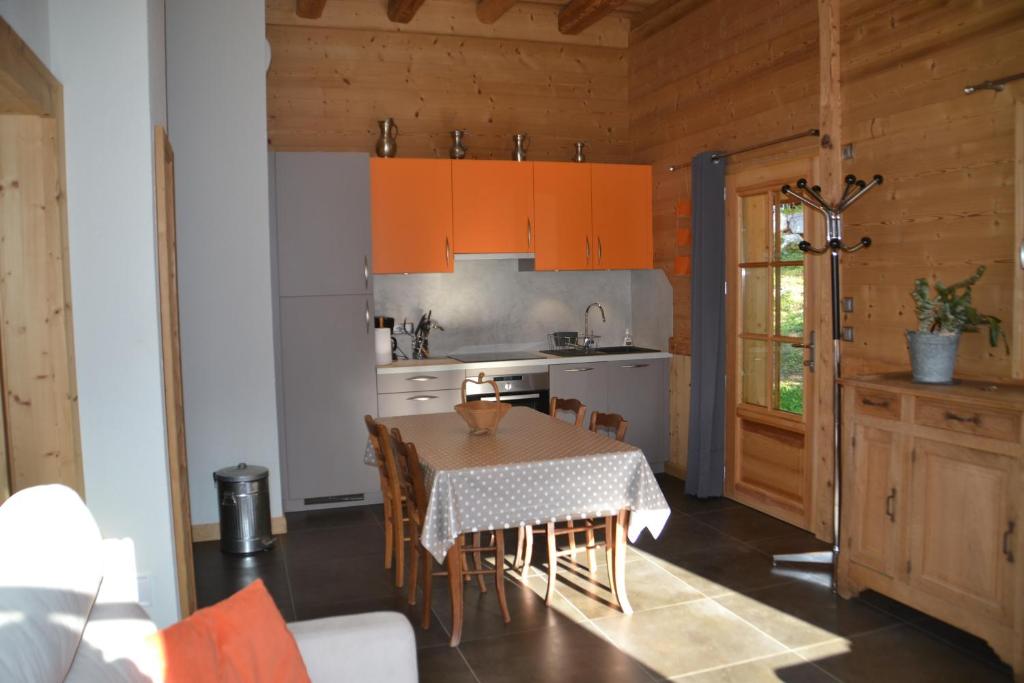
point(932, 481)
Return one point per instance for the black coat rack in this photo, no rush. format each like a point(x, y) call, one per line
point(811, 196)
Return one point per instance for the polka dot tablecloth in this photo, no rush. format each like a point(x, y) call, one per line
point(535, 469)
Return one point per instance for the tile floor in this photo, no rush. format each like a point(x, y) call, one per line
point(708, 607)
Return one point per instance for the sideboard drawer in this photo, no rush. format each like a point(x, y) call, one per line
point(991, 423)
point(418, 402)
point(420, 381)
point(876, 403)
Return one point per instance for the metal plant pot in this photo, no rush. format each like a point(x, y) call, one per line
point(932, 356)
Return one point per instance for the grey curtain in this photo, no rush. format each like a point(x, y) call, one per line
point(705, 470)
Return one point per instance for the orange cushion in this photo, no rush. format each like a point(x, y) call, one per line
point(242, 639)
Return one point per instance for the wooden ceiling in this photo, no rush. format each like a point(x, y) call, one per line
point(574, 16)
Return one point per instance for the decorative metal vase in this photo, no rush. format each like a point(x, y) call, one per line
point(520, 143)
point(458, 150)
point(386, 144)
point(579, 157)
point(932, 356)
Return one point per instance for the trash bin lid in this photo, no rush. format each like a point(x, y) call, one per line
point(241, 472)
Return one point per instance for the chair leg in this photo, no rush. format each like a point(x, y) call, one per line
point(520, 547)
point(399, 536)
point(527, 554)
point(499, 574)
point(620, 561)
point(572, 542)
point(465, 570)
point(389, 535)
point(428, 587)
point(591, 553)
point(552, 563)
point(414, 562)
point(609, 555)
point(455, 586)
point(478, 563)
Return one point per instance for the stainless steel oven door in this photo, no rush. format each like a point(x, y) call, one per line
point(538, 400)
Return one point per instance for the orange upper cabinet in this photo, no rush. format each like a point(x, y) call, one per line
point(493, 206)
point(623, 228)
point(411, 205)
point(564, 220)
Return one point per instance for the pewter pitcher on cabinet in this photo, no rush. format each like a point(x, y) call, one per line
point(386, 144)
point(520, 144)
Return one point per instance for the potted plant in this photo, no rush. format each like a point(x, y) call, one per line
point(942, 318)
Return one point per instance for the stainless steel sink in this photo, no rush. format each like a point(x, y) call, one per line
point(600, 351)
point(612, 350)
point(570, 353)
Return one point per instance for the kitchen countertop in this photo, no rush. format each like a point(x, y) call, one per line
point(439, 364)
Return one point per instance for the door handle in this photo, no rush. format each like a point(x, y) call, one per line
point(637, 365)
point(875, 404)
point(366, 271)
point(588, 250)
point(578, 369)
point(367, 317)
point(422, 397)
point(600, 251)
point(447, 251)
point(1006, 540)
point(973, 419)
point(890, 505)
point(802, 346)
point(420, 378)
point(529, 234)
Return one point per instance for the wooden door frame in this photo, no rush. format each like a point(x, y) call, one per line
point(32, 112)
point(170, 345)
point(818, 420)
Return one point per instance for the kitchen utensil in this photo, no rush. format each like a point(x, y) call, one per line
point(520, 143)
point(564, 340)
point(387, 146)
point(482, 416)
point(579, 157)
point(458, 150)
point(421, 338)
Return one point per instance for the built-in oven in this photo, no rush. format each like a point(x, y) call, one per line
point(519, 386)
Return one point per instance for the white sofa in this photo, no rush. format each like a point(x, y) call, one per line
point(69, 607)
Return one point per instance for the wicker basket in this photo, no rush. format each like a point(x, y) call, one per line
point(482, 416)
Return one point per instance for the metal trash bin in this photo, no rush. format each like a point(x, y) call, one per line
point(244, 495)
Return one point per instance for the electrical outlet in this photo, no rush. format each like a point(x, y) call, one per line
point(145, 582)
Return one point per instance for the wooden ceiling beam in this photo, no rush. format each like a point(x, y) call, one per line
point(310, 9)
point(581, 14)
point(489, 11)
point(402, 11)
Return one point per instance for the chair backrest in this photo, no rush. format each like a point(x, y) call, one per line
point(387, 466)
point(570, 405)
point(614, 423)
point(411, 459)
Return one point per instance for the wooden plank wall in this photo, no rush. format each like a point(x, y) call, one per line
point(332, 79)
point(947, 205)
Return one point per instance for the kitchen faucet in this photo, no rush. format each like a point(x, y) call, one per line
point(588, 338)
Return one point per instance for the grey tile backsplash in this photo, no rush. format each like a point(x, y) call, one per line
point(489, 303)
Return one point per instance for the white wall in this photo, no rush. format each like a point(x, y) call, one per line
point(30, 20)
point(101, 52)
point(217, 116)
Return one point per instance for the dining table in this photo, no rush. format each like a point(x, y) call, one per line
point(534, 469)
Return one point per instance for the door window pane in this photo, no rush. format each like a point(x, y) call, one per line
point(756, 313)
point(790, 224)
point(755, 372)
point(789, 300)
point(755, 228)
point(789, 379)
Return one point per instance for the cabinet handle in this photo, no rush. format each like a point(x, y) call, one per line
point(890, 505)
point(588, 250)
point(578, 369)
point(420, 378)
point(422, 397)
point(529, 234)
point(636, 365)
point(600, 251)
point(1006, 540)
point(367, 317)
point(875, 404)
point(366, 271)
point(447, 252)
point(973, 419)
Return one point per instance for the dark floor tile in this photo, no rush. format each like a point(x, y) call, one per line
point(330, 582)
point(320, 519)
point(798, 542)
point(787, 667)
point(443, 665)
point(961, 640)
point(675, 493)
point(901, 653)
point(746, 524)
point(567, 653)
point(335, 543)
point(219, 576)
point(800, 613)
point(432, 637)
point(721, 569)
point(682, 533)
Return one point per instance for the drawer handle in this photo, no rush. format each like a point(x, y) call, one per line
point(973, 419)
point(635, 365)
point(366, 272)
point(890, 505)
point(420, 378)
point(529, 234)
point(875, 404)
point(1006, 540)
point(423, 397)
point(578, 369)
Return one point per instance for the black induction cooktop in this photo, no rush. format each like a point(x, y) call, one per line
point(494, 356)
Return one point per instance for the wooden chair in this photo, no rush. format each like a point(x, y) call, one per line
point(465, 545)
point(395, 502)
point(613, 423)
point(524, 538)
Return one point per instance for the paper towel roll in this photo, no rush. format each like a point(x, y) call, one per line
point(382, 345)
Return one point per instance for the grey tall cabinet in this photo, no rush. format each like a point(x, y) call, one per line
point(327, 377)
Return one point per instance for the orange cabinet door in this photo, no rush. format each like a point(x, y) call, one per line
point(564, 227)
point(623, 227)
point(411, 214)
point(493, 206)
